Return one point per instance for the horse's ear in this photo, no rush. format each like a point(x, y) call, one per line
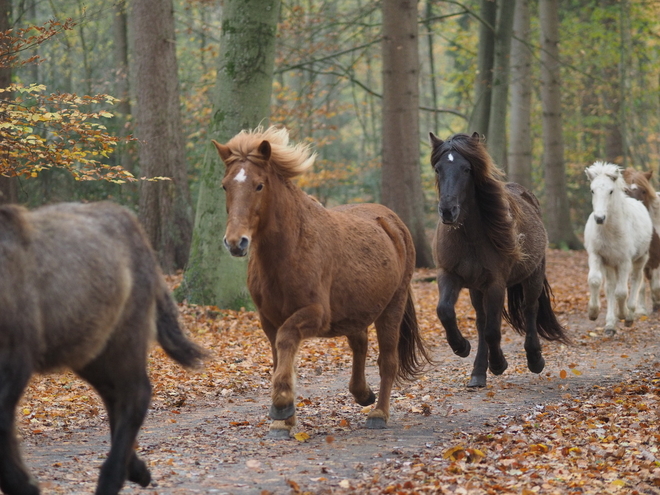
point(475, 135)
point(435, 140)
point(648, 174)
point(264, 149)
point(223, 150)
point(589, 173)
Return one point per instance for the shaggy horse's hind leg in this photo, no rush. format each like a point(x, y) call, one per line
point(126, 393)
point(655, 288)
point(14, 375)
point(532, 291)
point(636, 305)
point(358, 386)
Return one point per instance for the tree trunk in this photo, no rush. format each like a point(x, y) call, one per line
point(8, 185)
point(496, 137)
point(243, 90)
point(165, 209)
point(401, 172)
point(484, 77)
point(519, 164)
point(558, 220)
point(122, 87)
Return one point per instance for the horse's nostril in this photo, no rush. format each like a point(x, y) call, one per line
point(224, 240)
point(245, 242)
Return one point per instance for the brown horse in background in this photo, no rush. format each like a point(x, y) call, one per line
point(639, 187)
point(317, 272)
point(81, 288)
point(490, 239)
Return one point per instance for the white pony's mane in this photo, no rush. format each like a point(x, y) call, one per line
point(612, 170)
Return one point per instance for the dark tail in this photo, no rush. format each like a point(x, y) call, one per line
point(546, 322)
point(171, 337)
point(413, 355)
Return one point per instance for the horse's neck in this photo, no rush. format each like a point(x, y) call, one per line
point(286, 219)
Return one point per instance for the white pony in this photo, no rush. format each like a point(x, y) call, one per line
point(617, 237)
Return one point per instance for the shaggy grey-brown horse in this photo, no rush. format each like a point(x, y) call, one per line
point(81, 288)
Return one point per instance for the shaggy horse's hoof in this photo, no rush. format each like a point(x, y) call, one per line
point(369, 400)
point(477, 381)
point(629, 323)
point(593, 314)
point(499, 369)
point(138, 472)
point(537, 365)
point(610, 332)
point(465, 351)
point(376, 423)
point(281, 413)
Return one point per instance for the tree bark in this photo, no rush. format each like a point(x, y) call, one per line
point(401, 172)
point(243, 90)
point(558, 220)
point(122, 86)
point(496, 136)
point(8, 185)
point(519, 163)
point(164, 205)
point(484, 77)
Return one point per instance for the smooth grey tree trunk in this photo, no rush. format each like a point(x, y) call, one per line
point(164, 206)
point(557, 215)
point(484, 77)
point(519, 163)
point(499, 103)
point(243, 91)
point(401, 187)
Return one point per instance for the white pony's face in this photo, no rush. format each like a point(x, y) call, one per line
point(603, 189)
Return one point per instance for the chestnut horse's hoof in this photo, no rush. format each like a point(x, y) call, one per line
point(477, 381)
point(279, 433)
point(370, 400)
point(376, 423)
point(281, 413)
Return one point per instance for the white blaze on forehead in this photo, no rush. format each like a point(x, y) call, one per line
point(241, 176)
point(634, 186)
point(451, 157)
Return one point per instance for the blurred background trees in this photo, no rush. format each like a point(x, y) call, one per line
point(328, 89)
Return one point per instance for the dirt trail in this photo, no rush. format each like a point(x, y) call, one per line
point(219, 445)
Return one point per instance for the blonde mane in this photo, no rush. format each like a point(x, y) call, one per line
point(287, 160)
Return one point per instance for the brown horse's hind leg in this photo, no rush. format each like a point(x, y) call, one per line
point(14, 375)
point(126, 393)
point(358, 386)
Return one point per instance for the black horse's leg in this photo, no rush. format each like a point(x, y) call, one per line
point(449, 288)
point(478, 376)
point(491, 301)
point(358, 386)
point(532, 290)
point(126, 393)
point(15, 373)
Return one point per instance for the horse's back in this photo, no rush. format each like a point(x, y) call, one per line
point(85, 269)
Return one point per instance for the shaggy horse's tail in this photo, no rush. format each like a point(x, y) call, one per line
point(171, 337)
point(413, 355)
point(546, 322)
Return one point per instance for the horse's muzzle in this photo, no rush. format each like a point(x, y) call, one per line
point(239, 249)
point(599, 220)
point(449, 216)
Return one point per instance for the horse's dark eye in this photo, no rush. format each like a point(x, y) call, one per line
point(611, 192)
point(260, 187)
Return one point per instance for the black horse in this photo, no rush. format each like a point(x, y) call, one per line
point(80, 287)
point(490, 239)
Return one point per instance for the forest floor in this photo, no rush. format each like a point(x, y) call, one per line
point(587, 424)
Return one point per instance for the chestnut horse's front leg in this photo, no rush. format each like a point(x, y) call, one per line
point(449, 288)
point(304, 323)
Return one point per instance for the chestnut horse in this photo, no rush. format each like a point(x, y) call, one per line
point(490, 239)
point(317, 272)
point(639, 187)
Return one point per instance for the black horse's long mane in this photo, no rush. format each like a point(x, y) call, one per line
point(499, 210)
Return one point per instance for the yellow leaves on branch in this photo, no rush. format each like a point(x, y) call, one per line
point(40, 131)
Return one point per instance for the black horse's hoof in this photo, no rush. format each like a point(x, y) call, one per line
point(376, 423)
point(282, 413)
point(477, 381)
point(138, 472)
point(500, 369)
point(465, 350)
point(370, 400)
point(537, 365)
